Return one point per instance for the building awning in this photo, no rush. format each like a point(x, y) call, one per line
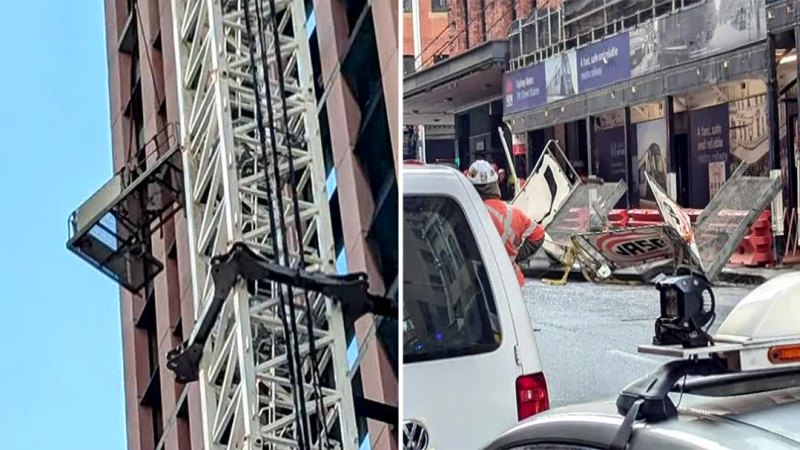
point(432, 96)
point(745, 62)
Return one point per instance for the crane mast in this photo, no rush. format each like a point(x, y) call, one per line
point(261, 386)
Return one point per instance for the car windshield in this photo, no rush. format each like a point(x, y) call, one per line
point(449, 309)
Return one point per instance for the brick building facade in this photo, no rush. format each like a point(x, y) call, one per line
point(361, 161)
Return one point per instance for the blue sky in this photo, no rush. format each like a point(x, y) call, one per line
point(60, 343)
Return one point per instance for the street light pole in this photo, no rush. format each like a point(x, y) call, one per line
point(416, 31)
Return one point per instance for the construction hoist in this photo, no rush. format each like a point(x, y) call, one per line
point(286, 383)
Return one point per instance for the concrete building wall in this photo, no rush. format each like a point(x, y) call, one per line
point(355, 198)
point(386, 23)
point(150, 323)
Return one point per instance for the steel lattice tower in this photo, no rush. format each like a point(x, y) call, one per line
point(246, 395)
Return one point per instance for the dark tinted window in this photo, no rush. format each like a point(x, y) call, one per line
point(448, 306)
point(409, 65)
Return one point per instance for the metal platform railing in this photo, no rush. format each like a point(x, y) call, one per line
point(111, 230)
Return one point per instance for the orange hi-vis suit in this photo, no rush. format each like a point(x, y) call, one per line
point(516, 230)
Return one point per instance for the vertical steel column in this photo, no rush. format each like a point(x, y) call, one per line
point(669, 116)
point(773, 119)
point(630, 161)
point(418, 63)
point(246, 396)
point(589, 144)
point(792, 155)
point(772, 105)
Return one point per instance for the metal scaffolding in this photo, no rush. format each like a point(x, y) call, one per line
point(250, 388)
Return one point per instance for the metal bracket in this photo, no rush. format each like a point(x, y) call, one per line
point(350, 290)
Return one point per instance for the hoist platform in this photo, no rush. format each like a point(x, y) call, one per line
point(111, 230)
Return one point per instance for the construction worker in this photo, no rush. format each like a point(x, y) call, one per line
point(520, 234)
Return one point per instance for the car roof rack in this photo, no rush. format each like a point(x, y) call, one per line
point(741, 383)
point(652, 391)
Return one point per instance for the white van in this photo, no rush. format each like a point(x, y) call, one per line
point(471, 366)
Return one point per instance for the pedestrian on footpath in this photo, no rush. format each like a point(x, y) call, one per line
point(521, 235)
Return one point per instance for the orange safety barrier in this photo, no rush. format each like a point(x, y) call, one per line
point(618, 218)
point(755, 250)
point(693, 214)
point(644, 217)
point(756, 247)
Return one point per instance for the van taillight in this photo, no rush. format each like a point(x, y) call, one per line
point(532, 395)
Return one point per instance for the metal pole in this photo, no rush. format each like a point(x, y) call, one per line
point(669, 117)
point(773, 119)
point(792, 155)
point(418, 60)
point(421, 143)
point(415, 24)
point(630, 160)
point(589, 144)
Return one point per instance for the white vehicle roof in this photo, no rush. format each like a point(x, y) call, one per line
point(770, 312)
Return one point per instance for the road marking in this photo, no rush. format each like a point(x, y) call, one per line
point(635, 357)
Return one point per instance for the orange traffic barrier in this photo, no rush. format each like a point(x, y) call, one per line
point(644, 217)
point(618, 218)
point(693, 213)
point(756, 249)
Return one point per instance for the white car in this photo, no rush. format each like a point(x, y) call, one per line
point(471, 366)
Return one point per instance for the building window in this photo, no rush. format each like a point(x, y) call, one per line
point(355, 9)
point(439, 5)
point(409, 65)
point(406, 6)
point(386, 333)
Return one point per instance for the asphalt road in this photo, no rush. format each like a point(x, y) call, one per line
point(587, 335)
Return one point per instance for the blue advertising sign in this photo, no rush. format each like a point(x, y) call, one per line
point(524, 89)
point(604, 62)
point(709, 138)
point(609, 155)
point(610, 152)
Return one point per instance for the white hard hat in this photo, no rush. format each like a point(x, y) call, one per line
point(481, 172)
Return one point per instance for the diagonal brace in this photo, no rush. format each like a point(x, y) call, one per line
point(351, 290)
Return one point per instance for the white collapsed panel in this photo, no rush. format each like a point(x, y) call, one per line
point(675, 217)
point(544, 191)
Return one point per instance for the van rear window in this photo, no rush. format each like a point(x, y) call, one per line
point(448, 306)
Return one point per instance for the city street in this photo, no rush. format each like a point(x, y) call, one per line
point(588, 333)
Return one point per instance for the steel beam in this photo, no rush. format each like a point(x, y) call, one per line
point(773, 119)
point(243, 404)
